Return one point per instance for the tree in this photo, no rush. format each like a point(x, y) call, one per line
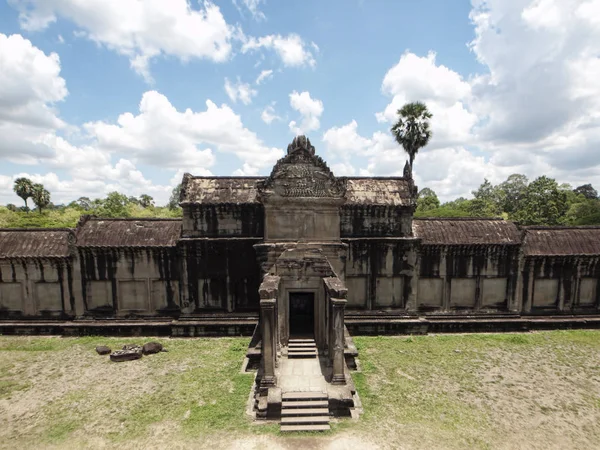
point(84, 203)
point(511, 193)
point(174, 199)
point(587, 190)
point(411, 131)
point(544, 203)
point(114, 205)
point(586, 212)
point(427, 200)
point(40, 196)
point(146, 201)
point(23, 188)
point(133, 200)
point(486, 202)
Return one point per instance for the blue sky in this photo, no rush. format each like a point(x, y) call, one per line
point(125, 95)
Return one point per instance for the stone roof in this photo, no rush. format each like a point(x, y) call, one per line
point(99, 232)
point(378, 191)
point(561, 241)
point(219, 190)
point(35, 242)
point(243, 190)
point(466, 231)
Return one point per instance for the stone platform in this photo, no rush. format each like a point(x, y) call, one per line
point(358, 323)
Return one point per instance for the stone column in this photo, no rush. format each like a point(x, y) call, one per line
point(412, 279)
point(267, 318)
point(336, 348)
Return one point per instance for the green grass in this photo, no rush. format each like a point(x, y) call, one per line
point(446, 391)
point(435, 383)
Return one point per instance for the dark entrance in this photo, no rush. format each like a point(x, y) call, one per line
point(302, 313)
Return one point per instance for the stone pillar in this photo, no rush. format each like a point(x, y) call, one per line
point(336, 348)
point(267, 319)
point(412, 279)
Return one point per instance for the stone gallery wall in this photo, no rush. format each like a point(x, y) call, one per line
point(36, 287)
point(561, 270)
point(561, 284)
point(245, 220)
point(37, 273)
point(219, 275)
point(468, 278)
point(129, 281)
point(375, 221)
point(381, 273)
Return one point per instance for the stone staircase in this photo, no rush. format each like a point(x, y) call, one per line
point(305, 411)
point(302, 348)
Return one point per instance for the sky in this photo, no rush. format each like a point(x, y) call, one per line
point(128, 95)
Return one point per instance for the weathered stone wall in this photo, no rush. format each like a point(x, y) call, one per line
point(567, 284)
point(219, 275)
point(381, 273)
point(230, 220)
point(468, 278)
point(36, 288)
point(375, 221)
point(118, 282)
point(302, 221)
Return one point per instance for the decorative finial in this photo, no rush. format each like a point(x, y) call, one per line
point(407, 171)
point(301, 143)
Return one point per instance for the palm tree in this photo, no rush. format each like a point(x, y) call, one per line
point(40, 196)
point(411, 130)
point(23, 187)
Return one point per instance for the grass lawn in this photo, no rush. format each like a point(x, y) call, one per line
point(536, 390)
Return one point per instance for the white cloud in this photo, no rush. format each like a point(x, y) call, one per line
point(30, 83)
point(264, 75)
point(536, 57)
point(123, 177)
point(253, 8)
point(310, 109)
point(164, 137)
point(536, 110)
point(239, 91)
point(30, 86)
point(140, 30)
point(345, 140)
point(291, 49)
point(343, 169)
point(268, 115)
point(158, 135)
point(444, 92)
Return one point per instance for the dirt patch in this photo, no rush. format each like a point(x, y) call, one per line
point(546, 396)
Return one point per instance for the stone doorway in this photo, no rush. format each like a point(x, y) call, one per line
point(302, 314)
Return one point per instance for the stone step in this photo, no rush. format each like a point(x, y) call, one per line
point(301, 341)
point(302, 354)
point(301, 344)
point(305, 411)
point(306, 419)
point(301, 349)
point(305, 427)
point(304, 404)
point(303, 396)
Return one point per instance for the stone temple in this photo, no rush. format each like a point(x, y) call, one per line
point(310, 254)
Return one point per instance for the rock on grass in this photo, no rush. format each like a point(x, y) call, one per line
point(103, 350)
point(152, 347)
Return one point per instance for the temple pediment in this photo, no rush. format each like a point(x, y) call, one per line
point(301, 174)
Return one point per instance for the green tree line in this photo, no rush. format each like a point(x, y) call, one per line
point(540, 202)
point(47, 214)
